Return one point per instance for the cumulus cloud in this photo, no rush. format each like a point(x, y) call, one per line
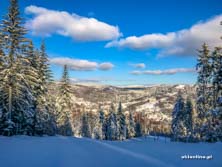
point(106, 66)
point(164, 72)
point(138, 65)
point(81, 65)
point(46, 22)
point(144, 42)
point(183, 42)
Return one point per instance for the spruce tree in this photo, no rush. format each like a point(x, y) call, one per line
point(188, 118)
point(102, 121)
point(216, 113)
point(215, 125)
point(208, 126)
point(121, 123)
point(45, 106)
point(64, 105)
point(204, 92)
point(45, 72)
point(112, 124)
point(97, 130)
point(217, 75)
point(204, 69)
point(85, 130)
point(178, 116)
point(131, 126)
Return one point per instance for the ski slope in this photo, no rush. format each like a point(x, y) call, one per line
point(59, 151)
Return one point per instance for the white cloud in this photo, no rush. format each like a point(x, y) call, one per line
point(106, 66)
point(81, 65)
point(99, 80)
point(183, 42)
point(75, 64)
point(164, 72)
point(138, 65)
point(78, 80)
point(144, 42)
point(46, 22)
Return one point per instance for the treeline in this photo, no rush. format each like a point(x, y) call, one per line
point(206, 125)
point(112, 126)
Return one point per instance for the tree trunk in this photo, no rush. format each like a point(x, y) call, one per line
point(10, 103)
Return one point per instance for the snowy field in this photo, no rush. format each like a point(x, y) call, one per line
point(58, 151)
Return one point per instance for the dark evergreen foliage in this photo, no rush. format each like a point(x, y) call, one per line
point(138, 129)
point(85, 126)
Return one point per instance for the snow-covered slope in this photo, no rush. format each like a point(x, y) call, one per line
point(22, 151)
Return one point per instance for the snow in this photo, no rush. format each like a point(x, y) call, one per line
point(149, 106)
point(59, 151)
point(180, 87)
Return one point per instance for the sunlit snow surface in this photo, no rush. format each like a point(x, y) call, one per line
point(59, 151)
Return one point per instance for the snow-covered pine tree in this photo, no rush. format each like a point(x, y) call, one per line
point(45, 105)
point(45, 71)
point(50, 124)
point(92, 121)
point(121, 123)
point(112, 124)
point(188, 120)
point(45, 74)
point(178, 116)
point(64, 105)
point(97, 132)
point(18, 76)
point(33, 62)
point(31, 56)
point(39, 60)
point(204, 69)
point(204, 92)
point(102, 121)
point(215, 115)
point(215, 124)
point(44, 118)
point(217, 74)
point(131, 126)
point(85, 129)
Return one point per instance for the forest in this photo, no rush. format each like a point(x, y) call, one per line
point(28, 106)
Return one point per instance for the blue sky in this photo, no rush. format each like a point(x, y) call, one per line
point(119, 43)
